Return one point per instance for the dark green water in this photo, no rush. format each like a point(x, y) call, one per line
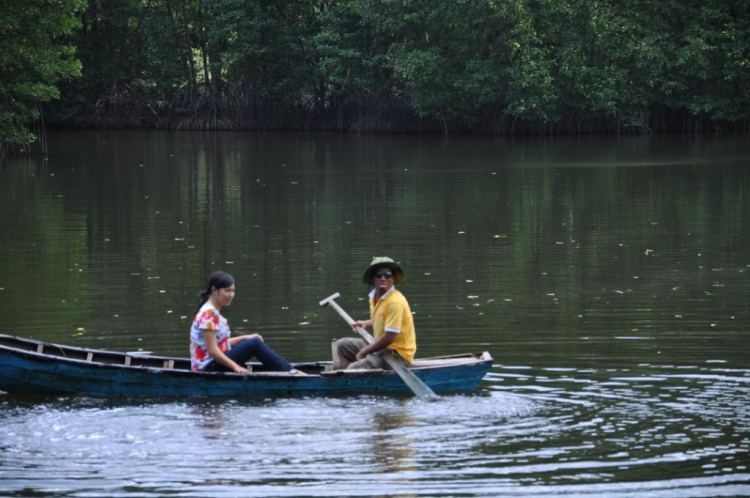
point(608, 277)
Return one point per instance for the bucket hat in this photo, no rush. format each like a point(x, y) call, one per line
point(380, 261)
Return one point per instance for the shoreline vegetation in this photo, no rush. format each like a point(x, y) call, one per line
point(371, 66)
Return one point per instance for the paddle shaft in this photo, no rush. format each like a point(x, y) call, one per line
point(419, 388)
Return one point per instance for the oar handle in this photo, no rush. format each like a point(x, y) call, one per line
point(348, 319)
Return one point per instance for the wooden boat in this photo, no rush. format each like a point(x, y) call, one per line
point(33, 367)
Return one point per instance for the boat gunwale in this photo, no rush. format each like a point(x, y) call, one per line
point(472, 359)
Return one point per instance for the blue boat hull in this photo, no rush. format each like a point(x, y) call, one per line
point(31, 372)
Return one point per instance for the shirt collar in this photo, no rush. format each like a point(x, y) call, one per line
point(372, 293)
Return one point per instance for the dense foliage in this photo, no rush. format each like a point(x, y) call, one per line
point(492, 66)
point(32, 60)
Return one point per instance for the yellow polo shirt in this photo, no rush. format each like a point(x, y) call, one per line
point(392, 314)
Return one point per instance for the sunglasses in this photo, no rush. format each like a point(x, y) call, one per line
point(381, 275)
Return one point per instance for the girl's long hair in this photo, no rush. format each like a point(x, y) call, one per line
point(218, 279)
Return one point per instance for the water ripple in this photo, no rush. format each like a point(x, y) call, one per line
point(514, 437)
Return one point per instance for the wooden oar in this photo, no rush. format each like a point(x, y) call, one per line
point(418, 387)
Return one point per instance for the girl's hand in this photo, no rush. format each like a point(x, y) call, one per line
point(240, 370)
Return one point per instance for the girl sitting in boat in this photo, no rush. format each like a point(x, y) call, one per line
point(212, 349)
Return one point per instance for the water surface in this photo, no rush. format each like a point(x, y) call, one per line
point(608, 277)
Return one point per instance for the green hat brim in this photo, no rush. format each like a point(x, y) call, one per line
point(379, 262)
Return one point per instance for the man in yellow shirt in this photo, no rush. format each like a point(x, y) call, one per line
point(390, 319)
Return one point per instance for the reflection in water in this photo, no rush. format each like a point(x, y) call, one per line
point(211, 420)
point(390, 446)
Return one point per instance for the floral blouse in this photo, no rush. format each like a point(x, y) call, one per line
point(207, 319)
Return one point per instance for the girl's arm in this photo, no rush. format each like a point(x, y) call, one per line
point(212, 347)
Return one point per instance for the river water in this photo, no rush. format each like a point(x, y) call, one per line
point(608, 277)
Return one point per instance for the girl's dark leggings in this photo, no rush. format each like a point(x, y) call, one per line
point(252, 348)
